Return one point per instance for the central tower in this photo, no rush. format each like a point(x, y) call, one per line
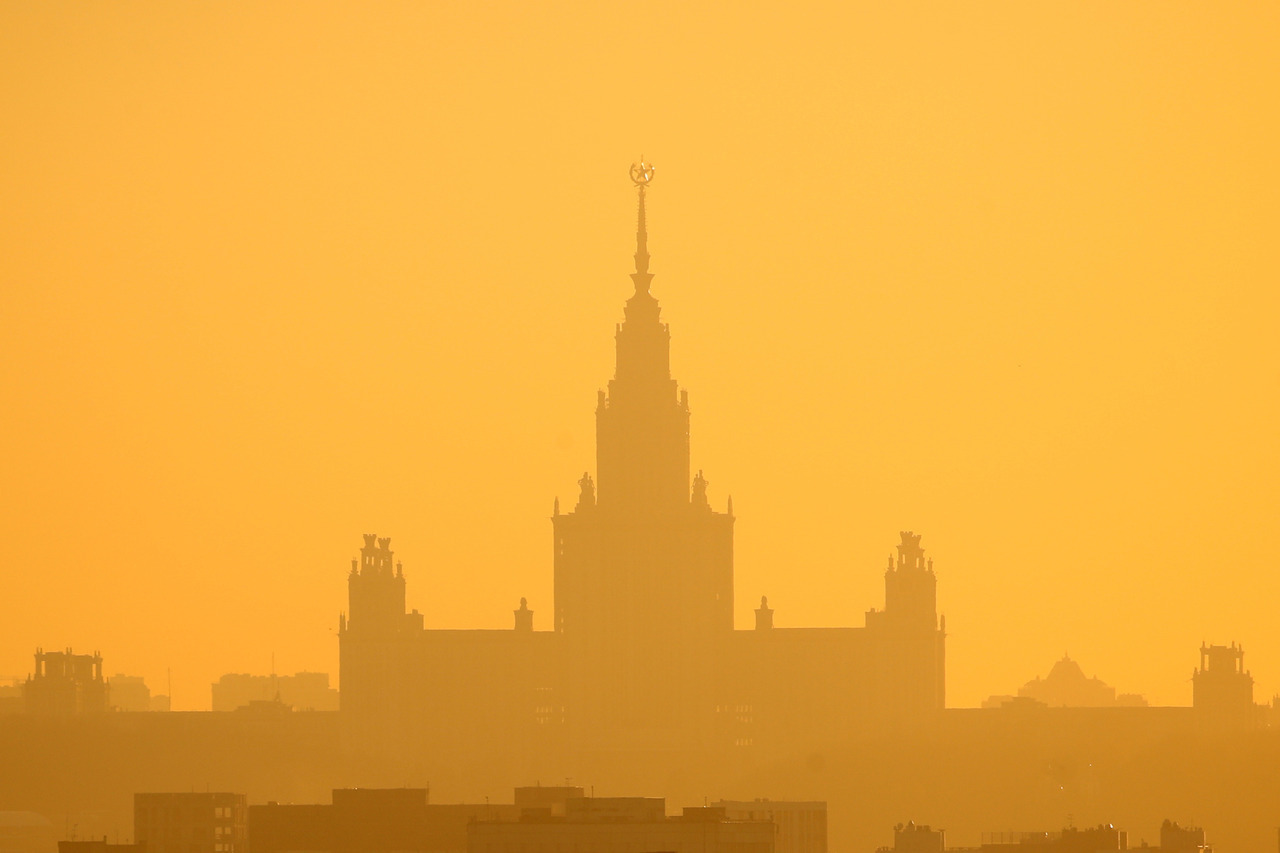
point(642, 429)
point(643, 565)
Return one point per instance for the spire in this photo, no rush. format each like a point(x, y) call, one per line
point(641, 175)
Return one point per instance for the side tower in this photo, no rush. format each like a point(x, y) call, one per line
point(65, 683)
point(375, 589)
point(643, 564)
point(375, 639)
point(1222, 689)
point(907, 638)
point(910, 586)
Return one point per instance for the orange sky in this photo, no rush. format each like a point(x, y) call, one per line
point(276, 275)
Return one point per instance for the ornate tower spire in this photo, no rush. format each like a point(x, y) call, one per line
point(641, 175)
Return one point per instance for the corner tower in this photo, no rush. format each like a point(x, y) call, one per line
point(643, 564)
point(372, 637)
point(908, 636)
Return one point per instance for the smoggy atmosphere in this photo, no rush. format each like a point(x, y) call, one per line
point(983, 293)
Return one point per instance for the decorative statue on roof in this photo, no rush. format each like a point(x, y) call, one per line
point(700, 490)
point(587, 495)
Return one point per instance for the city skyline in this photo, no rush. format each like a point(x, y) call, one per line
point(185, 379)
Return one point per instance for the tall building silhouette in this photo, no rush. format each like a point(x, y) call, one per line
point(66, 683)
point(643, 564)
point(642, 648)
point(1222, 689)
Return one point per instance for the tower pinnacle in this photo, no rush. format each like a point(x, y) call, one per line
point(641, 175)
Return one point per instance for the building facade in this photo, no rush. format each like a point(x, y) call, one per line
point(302, 691)
point(622, 825)
point(798, 827)
point(191, 822)
point(1222, 689)
point(65, 683)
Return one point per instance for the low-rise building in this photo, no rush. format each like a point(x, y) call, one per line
point(302, 691)
point(369, 820)
point(191, 823)
point(622, 825)
point(99, 846)
point(798, 826)
point(916, 838)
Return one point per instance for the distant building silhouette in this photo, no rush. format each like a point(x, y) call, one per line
point(1094, 839)
point(128, 693)
point(302, 691)
point(539, 820)
point(65, 683)
point(390, 820)
point(621, 825)
point(1179, 839)
point(99, 846)
point(852, 712)
point(11, 699)
point(642, 649)
point(1222, 689)
point(1066, 686)
point(911, 838)
point(799, 827)
point(191, 822)
point(359, 820)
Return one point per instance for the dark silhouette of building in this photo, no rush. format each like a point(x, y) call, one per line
point(66, 683)
point(128, 693)
point(543, 801)
point(1066, 686)
point(621, 825)
point(1222, 689)
point(798, 827)
point(915, 838)
point(302, 691)
point(852, 712)
point(11, 699)
point(96, 846)
point(1182, 839)
point(360, 819)
point(386, 820)
point(641, 651)
point(539, 820)
point(911, 838)
point(191, 822)
point(1070, 840)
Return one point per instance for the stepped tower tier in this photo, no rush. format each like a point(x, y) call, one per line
point(643, 565)
point(642, 423)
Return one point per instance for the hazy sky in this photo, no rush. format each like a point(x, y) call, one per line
point(276, 275)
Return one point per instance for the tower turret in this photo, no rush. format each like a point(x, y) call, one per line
point(912, 678)
point(1222, 689)
point(376, 589)
point(910, 586)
